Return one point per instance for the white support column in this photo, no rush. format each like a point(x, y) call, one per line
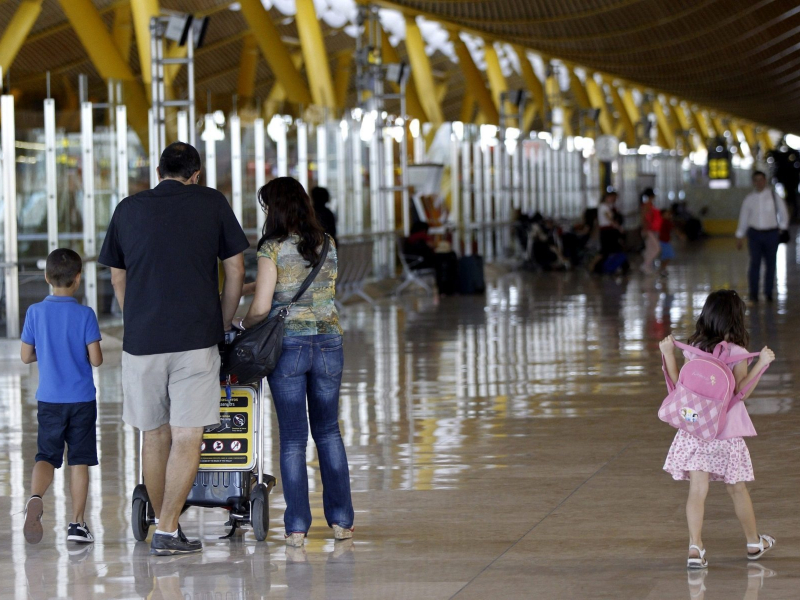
point(183, 126)
point(302, 155)
point(455, 192)
point(500, 197)
point(50, 173)
point(261, 167)
point(153, 153)
point(526, 178)
point(281, 147)
point(236, 167)
point(466, 199)
point(211, 151)
point(10, 224)
point(89, 227)
point(375, 196)
point(322, 155)
point(388, 217)
point(341, 180)
point(122, 152)
point(419, 149)
point(358, 184)
point(488, 189)
point(477, 221)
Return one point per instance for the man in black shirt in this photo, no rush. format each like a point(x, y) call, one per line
point(163, 247)
point(320, 196)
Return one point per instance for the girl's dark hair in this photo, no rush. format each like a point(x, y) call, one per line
point(289, 211)
point(721, 320)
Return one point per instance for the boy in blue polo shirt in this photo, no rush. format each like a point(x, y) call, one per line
point(64, 337)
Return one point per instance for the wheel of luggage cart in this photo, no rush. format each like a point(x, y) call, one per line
point(140, 517)
point(259, 511)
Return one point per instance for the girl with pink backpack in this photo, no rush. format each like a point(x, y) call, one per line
point(706, 405)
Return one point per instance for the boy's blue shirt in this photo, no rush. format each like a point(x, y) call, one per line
point(60, 329)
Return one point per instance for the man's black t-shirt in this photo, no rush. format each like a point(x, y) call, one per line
point(168, 240)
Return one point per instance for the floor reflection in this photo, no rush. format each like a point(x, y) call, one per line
point(498, 445)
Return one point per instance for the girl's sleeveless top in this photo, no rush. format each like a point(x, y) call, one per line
point(315, 313)
point(738, 422)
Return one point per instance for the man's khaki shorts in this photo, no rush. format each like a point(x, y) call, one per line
point(179, 388)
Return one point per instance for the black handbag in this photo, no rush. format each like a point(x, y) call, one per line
point(784, 237)
point(254, 353)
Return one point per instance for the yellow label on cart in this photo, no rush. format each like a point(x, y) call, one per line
point(229, 445)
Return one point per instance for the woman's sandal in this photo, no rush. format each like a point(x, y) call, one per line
point(697, 562)
point(761, 547)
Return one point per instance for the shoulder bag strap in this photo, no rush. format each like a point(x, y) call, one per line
point(313, 275)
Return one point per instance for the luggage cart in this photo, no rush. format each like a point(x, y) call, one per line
point(231, 473)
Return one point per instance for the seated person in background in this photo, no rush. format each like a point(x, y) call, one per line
point(544, 244)
point(421, 245)
point(320, 196)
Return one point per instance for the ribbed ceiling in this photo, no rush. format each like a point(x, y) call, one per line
point(738, 56)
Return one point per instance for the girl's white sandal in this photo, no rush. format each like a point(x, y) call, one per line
point(697, 562)
point(762, 548)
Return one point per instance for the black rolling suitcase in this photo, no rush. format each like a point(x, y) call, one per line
point(470, 275)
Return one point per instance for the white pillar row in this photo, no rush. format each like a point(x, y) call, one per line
point(488, 191)
point(500, 197)
point(281, 147)
point(50, 173)
point(10, 225)
point(466, 196)
point(358, 183)
point(341, 179)
point(388, 217)
point(477, 155)
point(322, 155)
point(375, 195)
point(455, 192)
point(211, 151)
point(89, 227)
point(183, 126)
point(122, 152)
point(153, 153)
point(236, 167)
point(302, 155)
point(260, 166)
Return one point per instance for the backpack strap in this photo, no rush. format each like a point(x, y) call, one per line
point(743, 392)
point(313, 275)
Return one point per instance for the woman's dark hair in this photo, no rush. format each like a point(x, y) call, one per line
point(289, 211)
point(721, 320)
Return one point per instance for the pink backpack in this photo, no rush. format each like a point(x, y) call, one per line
point(706, 390)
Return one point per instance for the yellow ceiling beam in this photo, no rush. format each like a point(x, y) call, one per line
point(315, 55)
point(567, 124)
point(494, 72)
point(467, 107)
point(17, 30)
point(737, 139)
point(275, 52)
point(474, 80)
point(277, 94)
point(634, 114)
point(719, 126)
point(99, 45)
point(578, 91)
point(665, 128)
point(679, 115)
point(122, 30)
point(143, 11)
point(766, 141)
point(750, 135)
point(422, 73)
point(534, 86)
point(598, 99)
point(248, 66)
point(700, 124)
point(626, 127)
point(341, 81)
point(413, 104)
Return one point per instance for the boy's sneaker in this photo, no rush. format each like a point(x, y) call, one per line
point(164, 544)
point(342, 533)
point(79, 532)
point(33, 520)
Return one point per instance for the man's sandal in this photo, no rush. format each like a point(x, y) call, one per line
point(764, 545)
point(697, 562)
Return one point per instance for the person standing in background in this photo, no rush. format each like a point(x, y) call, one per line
point(320, 196)
point(761, 219)
point(651, 229)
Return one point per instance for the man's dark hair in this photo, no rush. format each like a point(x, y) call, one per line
point(320, 196)
point(179, 160)
point(62, 267)
point(761, 173)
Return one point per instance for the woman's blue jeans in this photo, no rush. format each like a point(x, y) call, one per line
point(311, 368)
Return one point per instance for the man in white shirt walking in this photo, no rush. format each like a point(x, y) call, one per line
point(762, 217)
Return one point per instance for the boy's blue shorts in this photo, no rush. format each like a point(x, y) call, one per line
point(72, 423)
point(667, 251)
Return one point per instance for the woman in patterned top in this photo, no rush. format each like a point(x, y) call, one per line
point(310, 368)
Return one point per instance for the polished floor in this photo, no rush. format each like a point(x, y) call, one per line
point(500, 447)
